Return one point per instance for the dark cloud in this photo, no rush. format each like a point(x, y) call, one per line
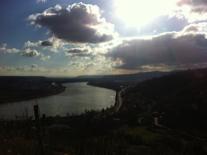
point(192, 2)
point(46, 43)
point(83, 55)
point(196, 5)
point(77, 23)
point(169, 49)
point(77, 50)
point(191, 28)
point(200, 9)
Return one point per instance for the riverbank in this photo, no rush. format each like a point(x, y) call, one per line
point(25, 95)
point(15, 89)
point(108, 85)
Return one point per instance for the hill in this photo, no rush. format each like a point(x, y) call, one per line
point(180, 99)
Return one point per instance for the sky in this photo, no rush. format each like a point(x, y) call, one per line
point(97, 37)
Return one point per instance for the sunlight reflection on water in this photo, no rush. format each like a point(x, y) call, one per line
point(77, 98)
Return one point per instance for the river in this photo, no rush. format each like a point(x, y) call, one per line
point(76, 98)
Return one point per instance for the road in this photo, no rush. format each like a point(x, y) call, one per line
point(119, 100)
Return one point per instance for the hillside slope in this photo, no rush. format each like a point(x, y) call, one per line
point(180, 99)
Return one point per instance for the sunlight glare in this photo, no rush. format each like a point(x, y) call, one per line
point(138, 13)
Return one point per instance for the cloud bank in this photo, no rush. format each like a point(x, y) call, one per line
point(183, 48)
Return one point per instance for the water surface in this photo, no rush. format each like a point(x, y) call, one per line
point(76, 98)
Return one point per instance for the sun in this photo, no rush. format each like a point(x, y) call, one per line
point(138, 13)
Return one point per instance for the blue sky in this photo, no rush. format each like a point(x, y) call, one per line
point(72, 37)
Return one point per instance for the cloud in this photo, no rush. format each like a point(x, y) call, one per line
point(7, 50)
point(80, 52)
point(30, 53)
point(52, 41)
point(44, 57)
point(176, 49)
point(30, 49)
point(193, 2)
point(30, 44)
point(41, 1)
point(34, 53)
point(46, 43)
point(195, 10)
point(196, 28)
point(78, 22)
point(52, 44)
point(166, 23)
point(32, 69)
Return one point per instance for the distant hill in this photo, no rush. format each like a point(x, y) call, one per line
point(125, 77)
point(118, 81)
